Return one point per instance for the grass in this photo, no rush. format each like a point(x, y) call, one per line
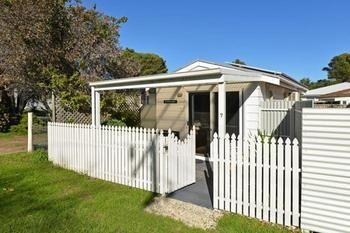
point(12, 142)
point(7, 135)
point(35, 196)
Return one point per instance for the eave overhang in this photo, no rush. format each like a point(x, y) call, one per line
point(202, 77)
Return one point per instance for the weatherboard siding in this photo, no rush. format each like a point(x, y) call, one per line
point(252, 97)
point(175, 116)
point(172, 116)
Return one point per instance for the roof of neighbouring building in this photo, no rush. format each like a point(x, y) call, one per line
point(328, 90)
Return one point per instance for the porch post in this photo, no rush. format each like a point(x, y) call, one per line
point(93, 113)
point(98, 109)
point(95, 107)
point(212, 115)
point(222, 110)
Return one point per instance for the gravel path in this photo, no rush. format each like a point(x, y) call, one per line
point(189, 214)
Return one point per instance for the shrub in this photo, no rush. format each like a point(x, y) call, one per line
point(22, 127)
point(114, 122)
point(4, 121)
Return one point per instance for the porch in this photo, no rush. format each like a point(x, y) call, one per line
point(218, 100)
point(201, 192)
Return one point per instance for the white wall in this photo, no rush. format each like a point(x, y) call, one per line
point(252, 97)
point(325, 205)
point(342, 99)
point(175, 116)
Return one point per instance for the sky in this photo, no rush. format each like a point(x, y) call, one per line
point(296, 37)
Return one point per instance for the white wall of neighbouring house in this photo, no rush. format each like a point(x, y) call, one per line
point(343, 100)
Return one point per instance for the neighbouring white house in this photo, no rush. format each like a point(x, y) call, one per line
point(338, 94)
point(214, 97)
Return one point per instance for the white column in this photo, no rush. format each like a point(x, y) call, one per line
point(222, 110)
point(241, 126)
point(93, 113)
point(97, 109)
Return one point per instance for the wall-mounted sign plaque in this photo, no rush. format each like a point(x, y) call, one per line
point(170, 101)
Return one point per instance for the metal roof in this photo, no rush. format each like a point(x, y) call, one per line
point(208, 76)
point(239, 72)
point(328, 89)
point(255, 70)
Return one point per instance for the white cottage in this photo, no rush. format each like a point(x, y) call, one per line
point(214, 97)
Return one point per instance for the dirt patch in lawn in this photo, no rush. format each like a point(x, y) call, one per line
point(18, 143)
point(189, 214)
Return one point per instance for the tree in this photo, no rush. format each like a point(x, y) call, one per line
point(149, 63)
point(338, 71)
point(57, 46)
point(306, 82)
point(238, 61)
point(339, 68)
point(319, 83)
point(118, 105)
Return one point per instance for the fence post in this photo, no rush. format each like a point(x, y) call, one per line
point(30, 132)
point(162, 188)
point(215, 171)
point(53, 106)
point(194, 153)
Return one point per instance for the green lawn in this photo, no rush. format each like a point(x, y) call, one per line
point(35, 196)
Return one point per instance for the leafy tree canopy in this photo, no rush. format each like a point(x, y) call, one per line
point(339, 68)
point(238, 61)
point(319, 83)
point(306, 81)
point(149, 63)
point(58, 46)
point(338, 71)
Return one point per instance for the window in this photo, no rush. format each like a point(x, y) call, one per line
point(148, 97)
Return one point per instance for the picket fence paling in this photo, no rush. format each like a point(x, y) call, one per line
point(135, 157)
point(257, 178)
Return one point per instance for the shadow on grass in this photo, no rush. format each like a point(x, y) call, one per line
point(39, 199)
point(149, 200)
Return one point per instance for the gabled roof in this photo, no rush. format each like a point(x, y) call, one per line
point(192, 77)
point(250, 69)
point(328, 90)
point(202, 72)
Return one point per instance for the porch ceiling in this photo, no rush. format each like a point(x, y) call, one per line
point(202, 77)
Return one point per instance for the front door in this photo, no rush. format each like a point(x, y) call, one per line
point(199, 116)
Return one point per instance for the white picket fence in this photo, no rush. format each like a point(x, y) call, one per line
point(136, 157)
point(259, 179)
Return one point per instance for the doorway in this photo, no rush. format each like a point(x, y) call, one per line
point(201, 192)
point(199, 116)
